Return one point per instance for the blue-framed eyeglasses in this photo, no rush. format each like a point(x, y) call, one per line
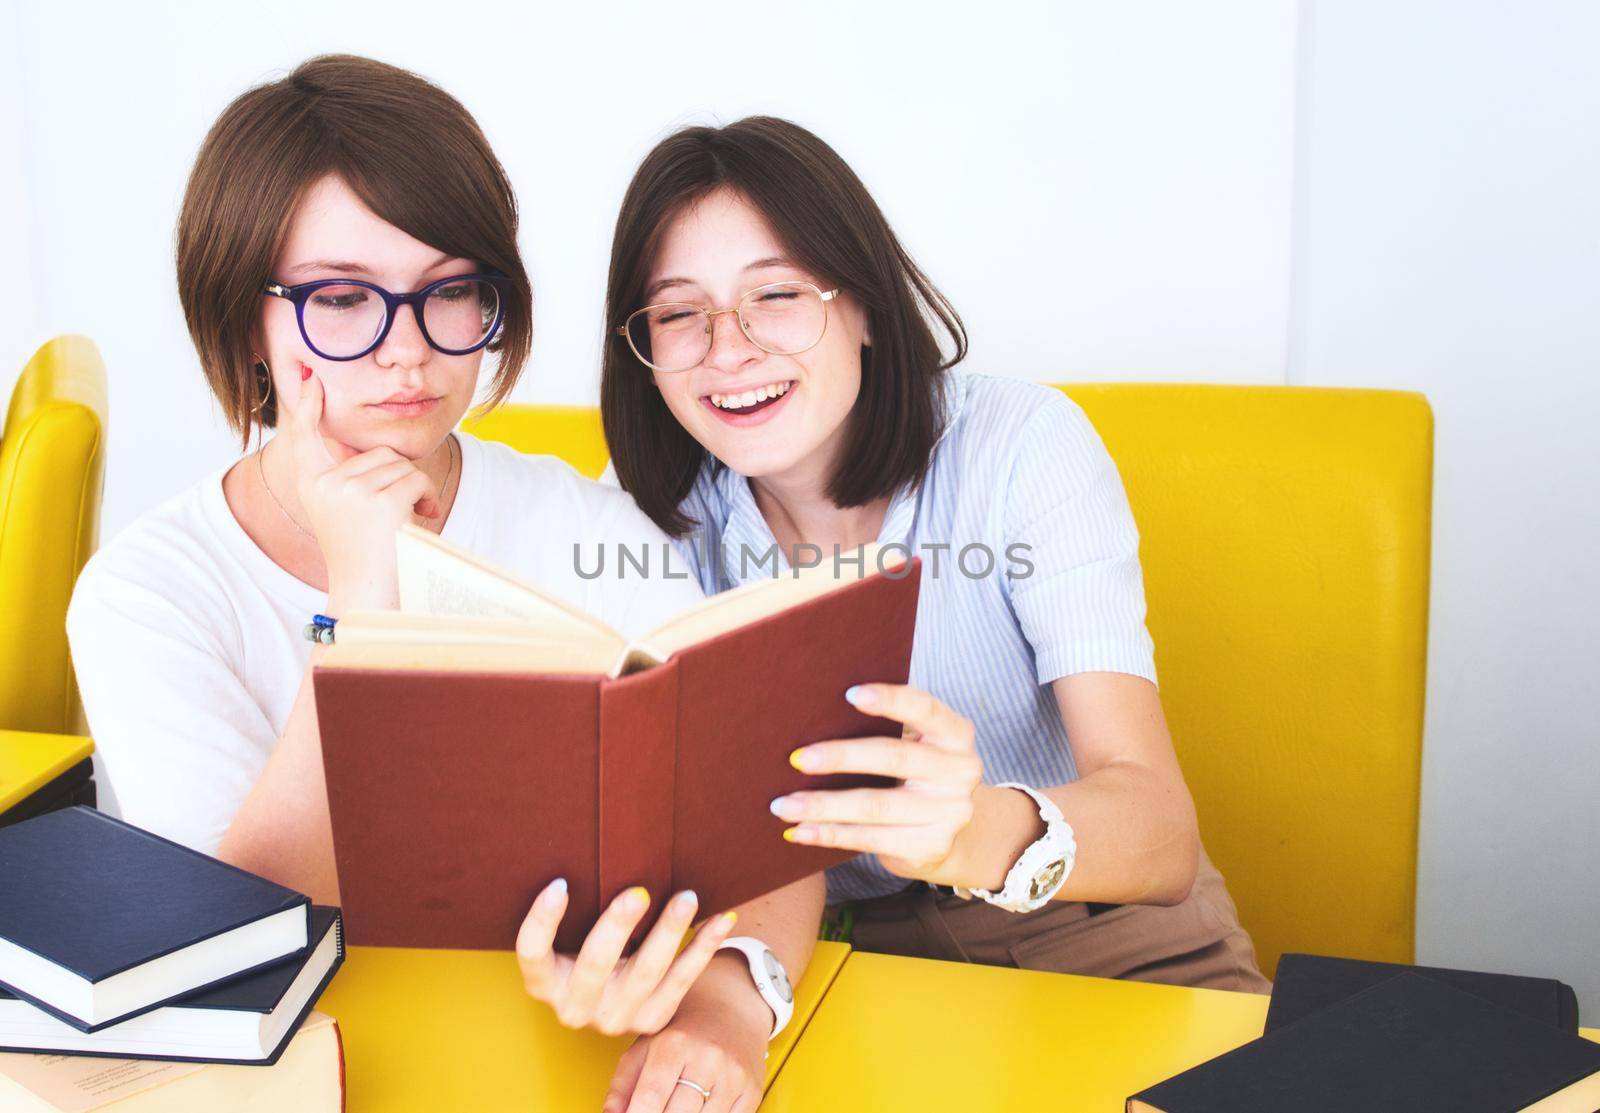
point(345, 318)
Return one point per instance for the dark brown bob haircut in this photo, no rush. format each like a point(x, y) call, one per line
point(831, 227)
point(407, 148)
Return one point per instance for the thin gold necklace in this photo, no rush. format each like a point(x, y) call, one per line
point(261, 466)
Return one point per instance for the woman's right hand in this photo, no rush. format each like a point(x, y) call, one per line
point(600, 989)
point(356, 501)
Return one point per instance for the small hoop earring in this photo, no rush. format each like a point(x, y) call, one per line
point(262, 372)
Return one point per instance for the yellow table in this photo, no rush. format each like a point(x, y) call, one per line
point(444, 1030)
point(899, 1033)
point(431, 1030)
point(29, 761)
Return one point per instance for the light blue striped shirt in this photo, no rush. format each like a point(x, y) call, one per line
point(1018, 464)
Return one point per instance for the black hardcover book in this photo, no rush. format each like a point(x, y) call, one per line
point(100, 921)
point(75, 786)
point(1307, 983)
point(1409, 1043)
point(248, 1020)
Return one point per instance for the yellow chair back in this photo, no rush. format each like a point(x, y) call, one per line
point(573, 433)
point(52, 470)
point(1285, 537)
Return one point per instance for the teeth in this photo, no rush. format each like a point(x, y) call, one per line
point(750, 397)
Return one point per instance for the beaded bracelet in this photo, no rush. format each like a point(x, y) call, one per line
point(320, 629)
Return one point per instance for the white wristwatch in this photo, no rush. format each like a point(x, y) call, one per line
point(1042, 869)
point(772, 980)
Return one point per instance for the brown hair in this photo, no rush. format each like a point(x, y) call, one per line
point(407, 148)
point(831, 227)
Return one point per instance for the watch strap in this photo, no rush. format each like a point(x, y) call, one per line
point(772, 981)
point(1057, 843)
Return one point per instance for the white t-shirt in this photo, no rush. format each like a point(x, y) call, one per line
point(187, 638)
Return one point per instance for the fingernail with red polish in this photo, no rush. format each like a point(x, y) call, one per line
point(305, 372)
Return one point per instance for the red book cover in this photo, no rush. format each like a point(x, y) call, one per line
point(457, 796)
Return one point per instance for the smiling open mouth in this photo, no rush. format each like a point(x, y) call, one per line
point(750, 401)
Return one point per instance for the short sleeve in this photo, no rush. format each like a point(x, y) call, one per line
point(179, 738)
point(1077, 586)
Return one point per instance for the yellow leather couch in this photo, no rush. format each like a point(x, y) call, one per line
point(52, 468)
point(1285, 542)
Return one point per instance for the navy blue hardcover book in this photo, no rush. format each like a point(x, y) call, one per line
point(100, 921)
point(1410, 1044)
point(247, 1021)
point(1303, 984)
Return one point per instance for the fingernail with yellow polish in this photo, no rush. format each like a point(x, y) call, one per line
point(799, 759)
point(637, 897)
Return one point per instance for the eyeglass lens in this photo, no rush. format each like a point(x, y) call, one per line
point(783, 318)
point(343, 320)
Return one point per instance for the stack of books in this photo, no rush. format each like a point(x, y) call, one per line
point(1343, 1034)
point(117, 943)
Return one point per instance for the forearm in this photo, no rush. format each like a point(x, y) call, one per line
point(785, 920)
point(1137, 838)
point(282, 830)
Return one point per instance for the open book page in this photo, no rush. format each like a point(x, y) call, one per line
point(437, 578)
point(458, 613)
point(472, 643)
point(743, 605)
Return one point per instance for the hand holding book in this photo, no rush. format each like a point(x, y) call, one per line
point(913, 826)
point(598, 987)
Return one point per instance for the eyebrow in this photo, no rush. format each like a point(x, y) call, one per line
point(760, 264)
point(342, 266)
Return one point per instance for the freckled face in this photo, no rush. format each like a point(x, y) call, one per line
point(763, 415)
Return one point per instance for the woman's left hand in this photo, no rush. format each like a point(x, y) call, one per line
point(717, 1039)
point(913, 828)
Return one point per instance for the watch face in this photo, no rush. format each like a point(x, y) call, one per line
point(1048, 879)
point(780, 980)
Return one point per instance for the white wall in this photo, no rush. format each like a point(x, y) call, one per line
point(1448, 241)
point(1114, 179)
point(20, 328)
point(1396, 194)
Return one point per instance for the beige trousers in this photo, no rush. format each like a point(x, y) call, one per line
point(1196, 943)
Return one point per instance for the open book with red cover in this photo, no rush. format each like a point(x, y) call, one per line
point(487, 738)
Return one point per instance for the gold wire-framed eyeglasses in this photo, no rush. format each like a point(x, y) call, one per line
point(781, 318)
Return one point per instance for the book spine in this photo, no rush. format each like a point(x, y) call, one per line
point(638, 748)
